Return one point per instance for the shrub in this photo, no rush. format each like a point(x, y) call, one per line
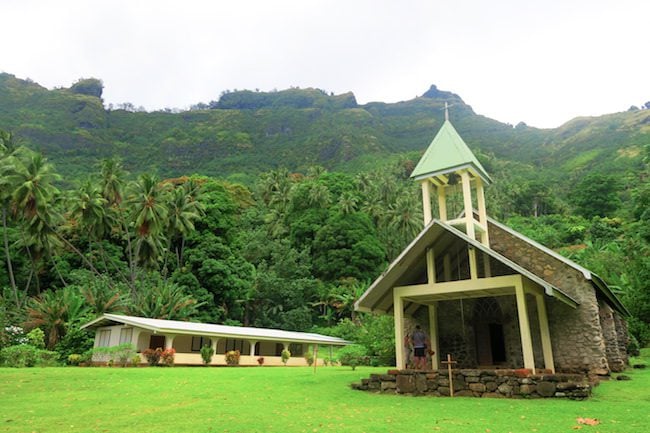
point(135, 360)
point(352, 355)
point(285, 355)
point(36, 338)
point(74, 359)
point(260, 360)
point(75, 341)
point(21, 355)
point(633, 347)
point(14, 335)
point(25, 355)
point(167, 357)
point(309, 357)
point(152, 355)
point(206, 354)
point(123, 353)
point(232, 357)
point(326, 361)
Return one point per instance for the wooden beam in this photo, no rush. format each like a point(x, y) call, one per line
point(524, 327)
point(459, 286)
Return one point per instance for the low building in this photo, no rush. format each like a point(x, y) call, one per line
point(187, 338)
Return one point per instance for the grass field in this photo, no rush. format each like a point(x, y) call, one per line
point(278, 399)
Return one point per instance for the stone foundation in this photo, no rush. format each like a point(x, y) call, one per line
point(519, 383)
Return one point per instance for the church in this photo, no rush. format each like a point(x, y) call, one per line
point(487, 295)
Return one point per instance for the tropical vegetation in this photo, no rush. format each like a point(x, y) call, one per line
point(266, 235)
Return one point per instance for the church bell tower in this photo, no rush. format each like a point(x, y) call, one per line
point(448, 168)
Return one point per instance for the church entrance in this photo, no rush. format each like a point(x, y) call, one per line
point(488, 331)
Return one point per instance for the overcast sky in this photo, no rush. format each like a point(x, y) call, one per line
point(538, 61)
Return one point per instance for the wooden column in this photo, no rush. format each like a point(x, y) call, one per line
point(431, 266)
point(549, 364)
point(433, 335)
point(482, 212)
point(524, 327)
point(169, 341)
point(398, 315)
point(442, 202)
point(446, 266)
point(426, 201)
point(467, 200)
point(213, 343)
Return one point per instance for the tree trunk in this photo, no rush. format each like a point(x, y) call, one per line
point(10, 268)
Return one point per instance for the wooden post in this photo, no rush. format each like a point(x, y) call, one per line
point(398, 316)
point(524, 327)
point(426, 201)
point(449, 363)
point(433, 334)
point(315, 357)
point(545, 333)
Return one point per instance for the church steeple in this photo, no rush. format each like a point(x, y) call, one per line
point(446, 163)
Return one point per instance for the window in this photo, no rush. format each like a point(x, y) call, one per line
point(241, 345)
point(199, 342)
point(126, 335)
point(104, 338)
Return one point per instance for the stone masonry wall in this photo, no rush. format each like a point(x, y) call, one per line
point(607, 323)
point(622, 338)
point(479, 383)
point(576, 334)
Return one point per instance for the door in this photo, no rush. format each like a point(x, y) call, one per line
point(490, 344)
point(157, 341)
point(483, 345)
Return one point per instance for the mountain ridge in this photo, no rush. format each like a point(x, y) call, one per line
point(247, 132)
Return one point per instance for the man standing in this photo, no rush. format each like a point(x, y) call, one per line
point(419, 340)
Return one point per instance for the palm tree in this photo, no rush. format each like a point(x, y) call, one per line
point(404, 220)
point(33, 200)
point(149, 213)
point(112, 181)
point(55, 311)
point(163, 300)
point(348, 203)
point(319, 196)
point(7, 168)
point(184, 208)
point(101, 297)
point(112, 185)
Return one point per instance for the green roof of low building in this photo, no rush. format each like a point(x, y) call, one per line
point(448, 153)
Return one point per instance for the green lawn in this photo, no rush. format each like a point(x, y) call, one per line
point(278, 399)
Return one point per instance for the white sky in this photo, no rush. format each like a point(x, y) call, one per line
point(538, 61)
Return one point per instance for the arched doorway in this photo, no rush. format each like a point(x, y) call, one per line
point(488, 330)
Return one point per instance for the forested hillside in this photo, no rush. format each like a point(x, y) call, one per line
point(278, 209)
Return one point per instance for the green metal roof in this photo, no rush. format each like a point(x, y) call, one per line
point(448, 153)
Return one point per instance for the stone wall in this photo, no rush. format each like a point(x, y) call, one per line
point(479, 383)
point(576, 334)
point(607, 323)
